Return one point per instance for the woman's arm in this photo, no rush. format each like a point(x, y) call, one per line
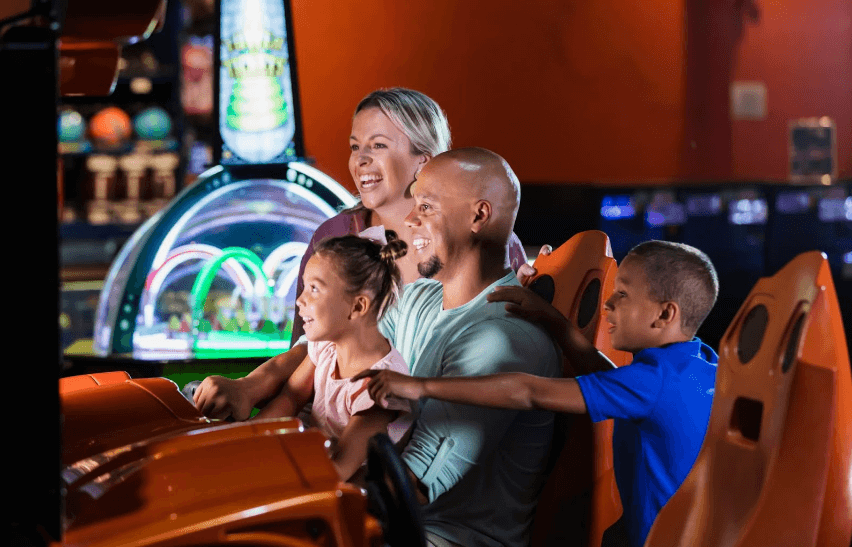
point(514, 390)
point(295, 393)
point(351, 450)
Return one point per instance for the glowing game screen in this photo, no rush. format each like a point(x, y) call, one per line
point(257, 115)
point(215, 275)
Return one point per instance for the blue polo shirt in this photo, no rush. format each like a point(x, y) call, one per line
point(661, 407)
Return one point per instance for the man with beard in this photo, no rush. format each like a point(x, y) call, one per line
point(478, 470)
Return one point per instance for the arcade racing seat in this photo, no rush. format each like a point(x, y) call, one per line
point(776, 464)
point(580, 499)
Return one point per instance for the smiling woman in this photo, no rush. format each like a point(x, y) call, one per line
point(395, 132)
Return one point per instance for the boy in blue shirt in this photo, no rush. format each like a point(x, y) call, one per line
point(660, 402)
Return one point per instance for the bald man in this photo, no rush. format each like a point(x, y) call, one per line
point(478, 469)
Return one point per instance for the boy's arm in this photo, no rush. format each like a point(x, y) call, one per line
point(580, 353)
point(296, 392)
point(512, 390)
point(219, 397)
point(351, 448)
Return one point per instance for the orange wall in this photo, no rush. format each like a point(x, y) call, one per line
point(802, 51)
point(609, 91)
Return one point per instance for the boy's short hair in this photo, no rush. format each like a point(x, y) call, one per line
point(680, 273)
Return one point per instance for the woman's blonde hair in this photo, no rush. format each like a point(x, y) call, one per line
point(418, 116)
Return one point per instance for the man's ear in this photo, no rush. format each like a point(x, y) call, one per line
point(360, 306)
point(669, 314)
point(482, 212)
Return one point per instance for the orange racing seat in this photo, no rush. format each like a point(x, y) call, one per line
point(776, 464)
point(580, 499)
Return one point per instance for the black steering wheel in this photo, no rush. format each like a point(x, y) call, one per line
point(396, 508)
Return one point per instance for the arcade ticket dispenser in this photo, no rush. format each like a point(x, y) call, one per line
point(211, 278)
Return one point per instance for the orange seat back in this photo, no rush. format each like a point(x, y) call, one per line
point(776, 464)
point(580, 499)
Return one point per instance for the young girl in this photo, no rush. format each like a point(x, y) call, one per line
point(350, 281)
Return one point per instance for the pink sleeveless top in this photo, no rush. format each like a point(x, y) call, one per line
point(336, 400)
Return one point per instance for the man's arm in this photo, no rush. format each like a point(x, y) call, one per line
point(581, 354)
point(513, 390)
point(219, 397)
point(351, 449)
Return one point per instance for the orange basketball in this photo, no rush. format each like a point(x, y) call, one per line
point(110, 127)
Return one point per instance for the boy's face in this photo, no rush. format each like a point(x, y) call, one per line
point(631, 311)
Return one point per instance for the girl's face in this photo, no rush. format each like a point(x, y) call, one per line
point(380, 159)
point(324, 304)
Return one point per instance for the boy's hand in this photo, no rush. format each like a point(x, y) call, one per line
point(522, 302)
point(386, 383)
point(526, 272)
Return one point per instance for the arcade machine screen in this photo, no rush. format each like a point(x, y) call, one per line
point(222, 276)
point(213, 275)
point(629, 219)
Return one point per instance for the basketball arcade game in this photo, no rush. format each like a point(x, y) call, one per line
point(213, 274)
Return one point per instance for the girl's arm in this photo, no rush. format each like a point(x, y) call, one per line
point(295, 393)
point(513, 390)
point(220, 397)
point(351, 450)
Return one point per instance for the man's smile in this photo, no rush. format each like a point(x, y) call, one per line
point(420, 243)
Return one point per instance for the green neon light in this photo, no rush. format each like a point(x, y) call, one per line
point(202, 284)
point(257, 104)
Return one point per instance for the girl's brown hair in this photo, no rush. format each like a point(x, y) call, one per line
point(367, 266)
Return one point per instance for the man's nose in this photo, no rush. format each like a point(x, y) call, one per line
point(608, 304)
point(412, 219)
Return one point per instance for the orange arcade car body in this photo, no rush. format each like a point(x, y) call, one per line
point(153, 471)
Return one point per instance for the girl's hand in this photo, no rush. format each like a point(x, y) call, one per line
point(524, 303)
point(386, 383)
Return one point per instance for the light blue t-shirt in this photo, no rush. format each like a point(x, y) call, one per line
point(483, 467)
point(661, 406)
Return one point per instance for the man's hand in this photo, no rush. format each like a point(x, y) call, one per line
point(524, 303)
point(386, 383)
point(218, 397)
point(526, 272)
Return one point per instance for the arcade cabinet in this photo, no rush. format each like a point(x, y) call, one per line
point(208, 284)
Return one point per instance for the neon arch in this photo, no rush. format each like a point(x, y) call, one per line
point(202, 284)
point(179, 255)
point(283, 253)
